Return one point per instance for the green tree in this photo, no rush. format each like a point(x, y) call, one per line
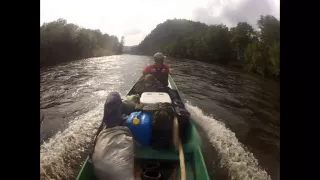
point(255, 58)
point(61, 41)
point(270, 29)
point(274, 53)
point(241, 36)
point(121, 45)
point(257, 51)
point(169, 32)
point(218, 43)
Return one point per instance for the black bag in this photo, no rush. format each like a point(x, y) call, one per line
point(162, 124)
point(183, 117)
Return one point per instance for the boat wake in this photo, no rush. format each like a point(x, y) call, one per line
point(62, 156)
point(239, 163)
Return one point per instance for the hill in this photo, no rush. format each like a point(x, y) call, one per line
point(168, 32)
point(256, 51)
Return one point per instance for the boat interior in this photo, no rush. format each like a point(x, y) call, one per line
point(151, 163)
point(164, 164)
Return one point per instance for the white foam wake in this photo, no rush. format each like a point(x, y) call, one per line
point(241, 165)
point(60, 155)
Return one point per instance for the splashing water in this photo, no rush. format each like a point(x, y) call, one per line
point(241, 165)
point(61, 156)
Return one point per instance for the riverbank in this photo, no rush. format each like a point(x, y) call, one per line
point(64, 42)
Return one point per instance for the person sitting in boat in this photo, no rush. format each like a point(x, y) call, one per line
point(151, 84)
point(116, 110)
point(114, 141)
point(158, 70)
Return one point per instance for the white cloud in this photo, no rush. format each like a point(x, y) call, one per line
point(136, 18)
point(133, 31)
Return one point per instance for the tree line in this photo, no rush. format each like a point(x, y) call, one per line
point(257, 51)
point(61, 42)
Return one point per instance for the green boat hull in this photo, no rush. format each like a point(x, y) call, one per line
point(195, 165)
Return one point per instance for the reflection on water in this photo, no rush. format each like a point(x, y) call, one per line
point(71, 98)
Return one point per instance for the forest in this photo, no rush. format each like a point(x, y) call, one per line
point(242, 46)
point(62, 42)
point(256, 50)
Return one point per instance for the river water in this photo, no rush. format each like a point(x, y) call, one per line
point(239, 113)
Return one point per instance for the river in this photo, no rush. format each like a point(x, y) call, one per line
point(239, 112)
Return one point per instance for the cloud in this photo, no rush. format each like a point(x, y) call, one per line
point(204, 15)
point(249, 11)
point(134, 37)
point(233, 11)
point(132, 31)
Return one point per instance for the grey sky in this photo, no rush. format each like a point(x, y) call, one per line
point(136, 18)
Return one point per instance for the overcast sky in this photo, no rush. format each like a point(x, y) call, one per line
point(134, 19)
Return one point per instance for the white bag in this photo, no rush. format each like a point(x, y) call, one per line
point(113, 156)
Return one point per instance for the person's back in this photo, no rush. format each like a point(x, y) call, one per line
point(158, 70)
